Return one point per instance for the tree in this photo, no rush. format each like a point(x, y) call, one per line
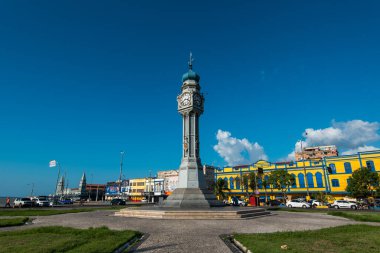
point(249, 181)
point(220, 188)
point(363, 183)
point(265, 183)
point(321, 197)
point(281, 180)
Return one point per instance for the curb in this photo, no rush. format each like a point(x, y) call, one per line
point(234, 245)
point(240, 246)
point(134, 242)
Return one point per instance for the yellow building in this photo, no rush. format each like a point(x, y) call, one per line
point(137, 188)
point(328, 175)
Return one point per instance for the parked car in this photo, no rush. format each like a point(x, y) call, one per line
point(344, 204)
point(297, 203)
point(314, 203)
point(40, 202)
point(117, 202)
point(275, 202)
point(238, 201)
point(65, 201)
point(22, 202)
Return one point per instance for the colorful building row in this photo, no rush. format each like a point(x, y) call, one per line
point(328, 174)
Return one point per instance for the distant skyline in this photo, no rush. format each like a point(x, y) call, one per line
point(82, 81)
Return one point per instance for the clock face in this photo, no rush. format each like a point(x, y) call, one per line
point(197, 100)
point(185, 99)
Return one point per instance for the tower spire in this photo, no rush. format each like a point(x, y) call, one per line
point(191, 61)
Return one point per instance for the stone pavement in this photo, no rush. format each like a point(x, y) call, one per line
point(191, 235)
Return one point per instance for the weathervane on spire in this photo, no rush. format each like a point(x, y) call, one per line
point(191, 61)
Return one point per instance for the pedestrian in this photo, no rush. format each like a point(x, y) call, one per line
point(8, 202)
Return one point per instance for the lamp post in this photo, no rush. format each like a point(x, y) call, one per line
point(32, 191)
point(304, 171)
point(121, 170)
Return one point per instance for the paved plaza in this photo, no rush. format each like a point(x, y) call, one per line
point(191, 235)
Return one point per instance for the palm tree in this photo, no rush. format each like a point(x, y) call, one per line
point(220, 189)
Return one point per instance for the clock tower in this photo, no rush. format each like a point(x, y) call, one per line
point(191, 190)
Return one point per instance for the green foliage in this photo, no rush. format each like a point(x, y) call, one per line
point(220, 188)
point(320, 196)
point(363, 183)
point(63, 239)
point(249, 182)
point(13, 221)
point(45, 212)
point(350, 238)
point(281, 180)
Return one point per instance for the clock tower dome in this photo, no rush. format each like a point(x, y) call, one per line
point(191, 190)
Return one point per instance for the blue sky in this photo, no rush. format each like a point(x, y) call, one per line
point(82, 80)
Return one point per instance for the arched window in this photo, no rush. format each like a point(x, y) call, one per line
point(232, 183)
point(301, 180)
point(333, 168)
point(310, 181)
point(267, 180)
point(294, 185)
point(260, 183)
point(237, 180)
point(347, 167)
point(370, 165)
point(226, 182)
point(318, 177)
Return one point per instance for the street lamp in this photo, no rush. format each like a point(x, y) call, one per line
point(121, 170)
point(32, 191)
point(304, 171)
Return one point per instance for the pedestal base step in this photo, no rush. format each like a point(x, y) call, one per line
point(188, 214)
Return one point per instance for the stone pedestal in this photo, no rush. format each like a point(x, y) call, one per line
point(192, 198)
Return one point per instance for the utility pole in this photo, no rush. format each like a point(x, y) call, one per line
point(304, 170)
point(121, 170)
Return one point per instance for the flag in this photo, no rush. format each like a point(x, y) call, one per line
point(52, 163)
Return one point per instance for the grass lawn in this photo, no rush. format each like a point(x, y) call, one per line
point(350, 238)
point(358, 216)
point(44, 212)
point(63, 239)
point(13, 221)
point(353, 215)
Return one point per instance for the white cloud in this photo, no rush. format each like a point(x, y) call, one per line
point(238, 151)
point(350, 136)
point(359, 149)
point(345, 135)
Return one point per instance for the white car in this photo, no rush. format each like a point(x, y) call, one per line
point(297, 203)
point(22, 202)
point(40, 202)
point(240, 202)
point(316, 203)
point(344, 204)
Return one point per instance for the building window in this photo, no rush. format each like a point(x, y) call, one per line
point(232, 183)
point(333, 168)
point(266, 178)
point(370, 165)
point(301, 180)
point(347, 167)
point(335, 183)
point(237, 183)
point(226, 182)
point(310, 181)
point(348, 181)
point(294, 184)
point(260, 183)
point(318, 177)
